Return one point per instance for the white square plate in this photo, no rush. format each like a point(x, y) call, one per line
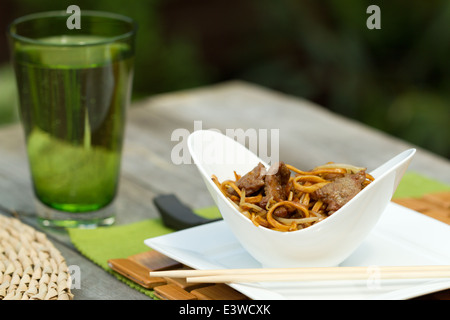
point(401, 237)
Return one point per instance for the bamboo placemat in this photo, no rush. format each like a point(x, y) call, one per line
point(435, 205)
point(138, 266)
point(31, 268)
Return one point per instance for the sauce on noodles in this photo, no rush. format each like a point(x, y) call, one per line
point(284, 198)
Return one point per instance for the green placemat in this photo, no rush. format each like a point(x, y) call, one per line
point(122, 241)
point(415, 185)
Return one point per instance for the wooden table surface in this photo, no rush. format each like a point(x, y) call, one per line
point(309, 135)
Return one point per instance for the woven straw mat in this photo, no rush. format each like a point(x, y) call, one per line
point(31, 268)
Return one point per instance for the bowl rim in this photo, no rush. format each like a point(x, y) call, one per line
point(408, 154)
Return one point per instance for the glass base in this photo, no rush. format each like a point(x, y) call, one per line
point(50, 217)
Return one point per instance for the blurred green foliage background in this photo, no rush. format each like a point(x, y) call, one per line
point(396, 79)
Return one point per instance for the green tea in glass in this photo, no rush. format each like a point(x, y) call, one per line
point(74, 87)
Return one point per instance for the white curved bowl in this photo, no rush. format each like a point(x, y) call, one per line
point(324, 244)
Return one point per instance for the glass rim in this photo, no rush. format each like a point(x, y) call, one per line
point(54, 14)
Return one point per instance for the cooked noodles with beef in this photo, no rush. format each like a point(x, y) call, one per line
point(284, 198)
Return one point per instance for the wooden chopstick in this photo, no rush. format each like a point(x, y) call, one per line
point(307, 274)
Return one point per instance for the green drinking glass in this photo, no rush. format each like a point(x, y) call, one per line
point(74, 87)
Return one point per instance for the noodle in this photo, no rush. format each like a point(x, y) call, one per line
point(301, 206)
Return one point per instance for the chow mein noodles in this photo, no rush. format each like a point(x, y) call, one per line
point(284, 198)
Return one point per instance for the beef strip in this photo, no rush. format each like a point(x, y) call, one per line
point(340, 191)
point(253, 181)
point(275, 187)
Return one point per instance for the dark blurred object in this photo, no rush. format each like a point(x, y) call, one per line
point(396, 79)
point(177, 215)
point(6, 8)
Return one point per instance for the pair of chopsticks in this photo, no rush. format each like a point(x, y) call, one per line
point(307, 274)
